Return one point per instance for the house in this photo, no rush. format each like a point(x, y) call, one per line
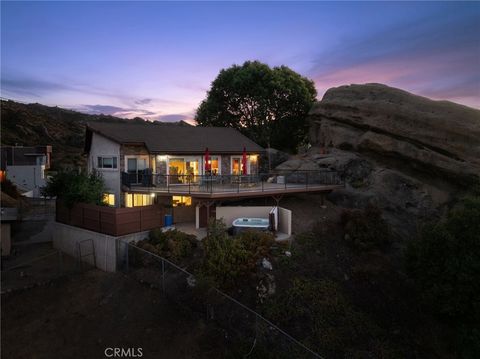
point(188, 168)
point(154, 172)
point(26, 166)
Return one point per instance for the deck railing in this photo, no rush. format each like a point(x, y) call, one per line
point(230, 183)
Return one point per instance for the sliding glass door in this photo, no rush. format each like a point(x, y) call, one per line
point(183, 170)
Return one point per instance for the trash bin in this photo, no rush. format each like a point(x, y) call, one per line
point(168, 220)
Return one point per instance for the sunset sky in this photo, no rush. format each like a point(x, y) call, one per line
point(157, 60)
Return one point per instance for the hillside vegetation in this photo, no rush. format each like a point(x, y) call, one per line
point(36, 124)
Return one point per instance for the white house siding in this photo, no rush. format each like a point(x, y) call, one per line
point(103, 147)
point(28, 177)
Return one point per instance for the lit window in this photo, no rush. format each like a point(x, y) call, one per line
point(181, 201)
point(214, 163)
point(138, 200)
point(109, 199)
point(107, 162)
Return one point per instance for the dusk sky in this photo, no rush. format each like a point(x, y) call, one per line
point(157, 59)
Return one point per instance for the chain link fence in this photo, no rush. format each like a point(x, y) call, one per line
point(247, 333)
point(26, 273)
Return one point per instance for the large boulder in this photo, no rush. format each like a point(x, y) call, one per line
point(407, 154)
point(439, 137)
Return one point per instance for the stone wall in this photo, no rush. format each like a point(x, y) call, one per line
point(130, 150)
point(225, 165)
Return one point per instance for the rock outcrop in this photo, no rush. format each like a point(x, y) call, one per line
point(407, 154)
point(439, 137)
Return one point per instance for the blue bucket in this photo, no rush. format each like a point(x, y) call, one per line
point(168, 220)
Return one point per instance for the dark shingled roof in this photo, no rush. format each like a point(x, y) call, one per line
point(171, 139)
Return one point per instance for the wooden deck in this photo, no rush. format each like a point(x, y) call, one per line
point(250, 190)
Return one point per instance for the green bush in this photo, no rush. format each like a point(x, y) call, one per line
point(229, 259)
point(317, 311)
point(445, 263)
point(256, 242)
point(169, 243)
point(181, 244)
point(365, 229)
point(73, 186)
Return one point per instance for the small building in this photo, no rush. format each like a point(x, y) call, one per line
point(26, 166)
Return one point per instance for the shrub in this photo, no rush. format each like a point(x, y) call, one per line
point(180, 244)
point(258, 243)
point(76, 187)
point(157, 238)
point(229, 259)
point(226, 260)
point(445, 263)
point(318, 311)
point(174, 242)
point(9, 188)
point(365, 229)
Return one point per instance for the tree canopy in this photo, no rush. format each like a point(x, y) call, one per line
point(73, 187)
point(445, 263)
point(269, 105)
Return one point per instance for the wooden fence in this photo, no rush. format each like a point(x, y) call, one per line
point(109, 220)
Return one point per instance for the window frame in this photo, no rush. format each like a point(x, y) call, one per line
point(100, 164)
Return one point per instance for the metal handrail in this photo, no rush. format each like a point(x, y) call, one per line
point(211, 183)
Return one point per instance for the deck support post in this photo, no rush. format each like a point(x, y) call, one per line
point(277, 199)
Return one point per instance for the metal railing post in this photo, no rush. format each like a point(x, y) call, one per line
point(306, 179)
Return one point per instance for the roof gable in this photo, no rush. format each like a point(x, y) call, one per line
point(174, 138)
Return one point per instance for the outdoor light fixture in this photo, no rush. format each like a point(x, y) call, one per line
point(253, 158)
point(152, 195)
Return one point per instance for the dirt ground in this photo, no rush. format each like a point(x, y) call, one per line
point(81, 315)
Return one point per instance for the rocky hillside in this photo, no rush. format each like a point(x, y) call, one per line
point(35, 124)
point(410, 155)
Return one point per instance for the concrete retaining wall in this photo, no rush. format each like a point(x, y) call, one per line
point(229, 214)
point(108, 249)
point(285, 221)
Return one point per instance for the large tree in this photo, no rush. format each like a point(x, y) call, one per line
point(268, 105)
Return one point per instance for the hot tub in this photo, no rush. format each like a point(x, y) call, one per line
point(261, 224)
